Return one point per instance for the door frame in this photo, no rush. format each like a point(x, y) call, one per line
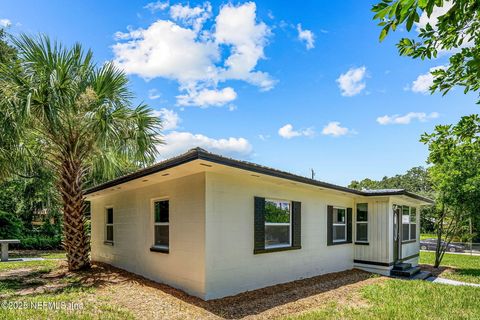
point(397, 243)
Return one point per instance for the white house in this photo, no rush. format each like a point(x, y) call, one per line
point(213, 226)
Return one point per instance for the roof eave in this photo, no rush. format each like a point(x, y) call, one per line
point(200, 154)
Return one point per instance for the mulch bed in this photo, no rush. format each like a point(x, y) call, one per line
point(436, 271)
point(150, 300)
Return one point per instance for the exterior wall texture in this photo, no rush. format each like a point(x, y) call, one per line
point(231, 266)
point(212, 234)
point(412, 248)
point(184, 266)
point(377, 248)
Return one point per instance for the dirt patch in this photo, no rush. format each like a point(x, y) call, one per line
point(146, 299)
point(437, 271)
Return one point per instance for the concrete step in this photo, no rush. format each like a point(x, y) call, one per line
point(405, 273)
point(402, 266)
point(422, 275)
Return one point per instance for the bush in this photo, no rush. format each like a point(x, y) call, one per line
point(11, 226)
point(39, 243)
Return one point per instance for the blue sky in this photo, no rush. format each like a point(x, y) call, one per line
point(291, 86)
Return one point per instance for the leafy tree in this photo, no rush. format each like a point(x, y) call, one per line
point(10, 226)
point(455, 156)
point(67, 114)
point(27, 196)
point(7, 52)
point(415, 180)
point(456, 30)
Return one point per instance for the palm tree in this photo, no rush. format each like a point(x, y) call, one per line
point(59, 109)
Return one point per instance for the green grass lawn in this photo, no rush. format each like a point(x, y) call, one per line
point(400, 299)
point(465, 267)
point(424, 236)
point(40, 264)
point(79, 301)
point(47, 254)
point(384, 299)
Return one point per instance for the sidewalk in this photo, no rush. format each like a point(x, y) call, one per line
point(451, 282)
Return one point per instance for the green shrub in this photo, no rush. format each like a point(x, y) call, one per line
point(40, 243)
point(11, 226)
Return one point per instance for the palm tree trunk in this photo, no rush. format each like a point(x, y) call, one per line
point(76, 240)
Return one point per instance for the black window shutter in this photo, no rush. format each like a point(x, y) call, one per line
point(297, 223)
point(329, 225)
point(349, 225)
point(259, 224)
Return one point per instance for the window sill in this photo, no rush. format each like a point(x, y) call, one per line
point(339, 242)
point(160, 249)
point(409, 241)
point(267, 250)
point(108, 243)
point(362, 243)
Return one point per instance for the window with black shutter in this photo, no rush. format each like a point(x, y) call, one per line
point(277, 225)
point(339, 225)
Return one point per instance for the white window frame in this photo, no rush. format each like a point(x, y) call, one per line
point(361, 222)
point(410, 223)
point(281, 224)
point(340, 224)
point(109, 224)
point(415, 223)
point(153, 201)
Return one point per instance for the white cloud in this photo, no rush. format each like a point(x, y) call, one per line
point(424, 81)
point(178, 142)
point(306, 36)
point(334, 129)
point(433, 19)
point(5, 23)
point(207, 97)
point(170, 119)
point(288, 132)
point(157, 6)
point(166, 50)
point(351, 83)
point(153, 94)
point(191, 16)
point(407, 118)
point(236, 27)
point(197, 57)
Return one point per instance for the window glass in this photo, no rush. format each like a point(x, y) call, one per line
point(339, 215)
point(161, 211)
point(362, 212)
point(339, 232)
point(277, 223)
point(413, 231)
point(161, 235)
point(161, 223)
point(362, 232)
point(277, 211)
point(109, 215)
point(109, 233)
point(109, 225)
point(405, 223)
point(362, 222)
point(413, 223)
point(413, 215)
